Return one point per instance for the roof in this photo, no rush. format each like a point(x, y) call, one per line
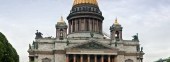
point(85, 1)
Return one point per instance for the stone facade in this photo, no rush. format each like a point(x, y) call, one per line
point(85, 40)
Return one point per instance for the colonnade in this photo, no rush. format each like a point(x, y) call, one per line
point(85, 24)
point(90, 58)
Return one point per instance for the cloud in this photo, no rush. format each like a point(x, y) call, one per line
point(19, 20)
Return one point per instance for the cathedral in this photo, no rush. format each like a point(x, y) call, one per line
point(83, 39)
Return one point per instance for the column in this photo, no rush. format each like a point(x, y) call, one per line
point(84, 26)
point(75, 21)
point(81, 58)
point(101, 27)
point(112, 58)
point(74, 58)
point(115, 59)
point(89, 25)
point(102, 58)
point(78, 21)
point(67, 58)
point(108, 58)
point(69, 27)
point(73, 25)
point(81, 24)
point(95, 58)
point(93, 26)
point(88, 58)
point(97, 25)
point(120, 33)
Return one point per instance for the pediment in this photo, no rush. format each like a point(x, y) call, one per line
point(91, 45)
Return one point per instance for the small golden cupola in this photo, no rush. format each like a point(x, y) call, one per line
point(85, 2)
point(61, 22)
point(116, 22)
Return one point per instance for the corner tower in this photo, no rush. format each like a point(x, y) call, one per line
point(61, 29)
point(116, 31)
point(85, 17)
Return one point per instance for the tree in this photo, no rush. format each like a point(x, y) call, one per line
point(7, 52)
point(163, 60)
point(168, 60)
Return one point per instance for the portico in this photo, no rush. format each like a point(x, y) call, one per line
point(91, 51)
point(89, 58)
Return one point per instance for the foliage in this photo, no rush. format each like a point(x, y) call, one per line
point(168, 60)
point(163, 60)
point(7, 52)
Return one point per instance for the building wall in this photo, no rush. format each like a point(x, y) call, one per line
point(50, 45)
point(60, 58)
point(134, 58)
point(42, 56)
point(45, 46)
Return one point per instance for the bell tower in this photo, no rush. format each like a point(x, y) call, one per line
point(85, 17)
point(61, 29)
point(116, 31)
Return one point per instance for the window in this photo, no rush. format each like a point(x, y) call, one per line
point(128, 60)
point(31, 59)
point(46, 60)
point(91, 9)
point(117, 35)
point(61, 34)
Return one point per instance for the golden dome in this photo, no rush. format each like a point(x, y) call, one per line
point(116, 22)
point(61, 22)
point(85, 1)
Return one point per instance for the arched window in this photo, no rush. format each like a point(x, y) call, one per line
point(84, 8)
point(128, 60)
point(46, 60)
point(78, 9)
point(91, 8)
point(61, 34)
point(81, 8)
point(117, 35)
point(95, 9)
point(74, 9)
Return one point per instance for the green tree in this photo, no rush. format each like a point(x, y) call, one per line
point(163, 60)
point(7, 52)
point(168, 60)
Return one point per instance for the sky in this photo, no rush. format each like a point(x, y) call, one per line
point(19, 20)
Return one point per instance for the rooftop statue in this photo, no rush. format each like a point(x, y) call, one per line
point(38, 35)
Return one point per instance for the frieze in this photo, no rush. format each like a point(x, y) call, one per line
point(92, 45)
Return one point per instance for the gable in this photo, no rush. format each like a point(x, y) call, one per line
point(92, 45)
